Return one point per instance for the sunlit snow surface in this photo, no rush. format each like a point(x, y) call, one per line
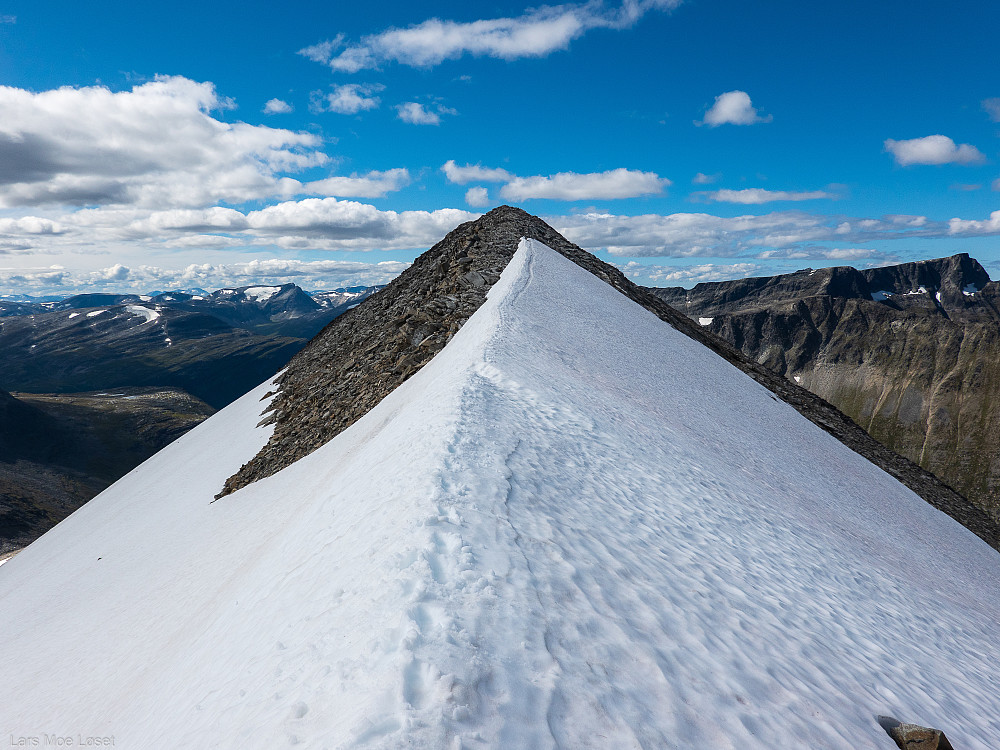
point(575, 527)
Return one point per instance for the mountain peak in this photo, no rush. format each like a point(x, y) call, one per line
point(364, 354)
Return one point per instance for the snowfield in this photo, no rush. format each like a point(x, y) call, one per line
point(575, 527)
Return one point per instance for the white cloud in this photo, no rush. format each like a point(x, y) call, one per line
point(372, 185)
point(348, 99)
point(996, 184)
point(537, 33)
point(705, 179)
point(932, 149)
point(277, 107)
point(756, 196)
point(822, 253)
point(473, 173)
point(29, 225)
point(477, 197)
point(992, 107)
point(8, 19)
point(570, 186)
point(972, 227)
point(690, 235)
point(322, 52)
point(733, 108)
point(156, 145)
point(690, 275)
point(416, 114)
point(312, 275)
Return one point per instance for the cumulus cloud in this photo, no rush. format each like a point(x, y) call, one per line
point(698, 234)
point(473, 173)
point(311, 275)
point(990, 226)
point(29, 225)
point(155, 145)
point(416, 114)
point(536, 33)
point(372, 185)
point(277, 107)
point(824, 253)
point(932, 149)
point(570, 186)
point(733, 108)
point(756, 196)
point(348, 99)
point(477, 196)
point(992, 107)
point(705, 179)
point(688, 276)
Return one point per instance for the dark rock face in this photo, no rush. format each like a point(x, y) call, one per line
point(57, 451)
point(910, 352)
point(363, 355)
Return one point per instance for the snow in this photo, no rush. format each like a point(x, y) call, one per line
point(73, 315)
point(881, 296)
point(705, 321)
point(145, 312)
point(937, 296)
point(95, 313)
point(261, 294)
point(144, 298)
point(970, 290)
point(798, 378)
point(575, 527)
point(918, 290)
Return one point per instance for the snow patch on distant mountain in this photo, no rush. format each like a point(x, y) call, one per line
point(261, 294)
point(144, 312)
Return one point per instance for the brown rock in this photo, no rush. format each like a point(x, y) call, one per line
point(913, 737)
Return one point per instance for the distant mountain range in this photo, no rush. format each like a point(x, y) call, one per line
point(103, 381)
point(910, 352)
point(214, 346)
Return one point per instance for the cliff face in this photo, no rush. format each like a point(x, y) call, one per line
point(909, 352)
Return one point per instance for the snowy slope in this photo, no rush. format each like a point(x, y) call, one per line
point(537, 541)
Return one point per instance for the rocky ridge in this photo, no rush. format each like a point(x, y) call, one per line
point(360, 357)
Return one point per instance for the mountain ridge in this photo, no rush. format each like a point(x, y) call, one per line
point(361, 357)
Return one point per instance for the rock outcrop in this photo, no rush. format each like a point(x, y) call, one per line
point(910, 352)
point(360, 357)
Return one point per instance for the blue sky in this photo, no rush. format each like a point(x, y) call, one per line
point(202, 145)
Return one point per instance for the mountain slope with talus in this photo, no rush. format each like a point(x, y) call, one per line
point(573, 527)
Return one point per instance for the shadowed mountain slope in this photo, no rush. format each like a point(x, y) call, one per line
point(57, 451)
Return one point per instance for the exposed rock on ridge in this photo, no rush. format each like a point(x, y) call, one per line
point(360, 357)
